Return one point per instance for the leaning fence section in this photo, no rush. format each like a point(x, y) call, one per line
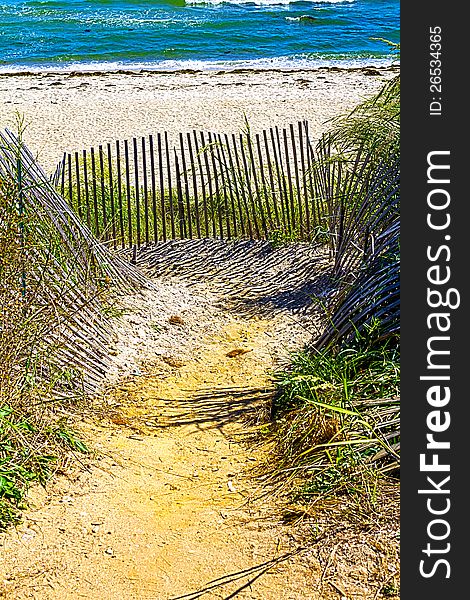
point(203, 184)
point(63, 274)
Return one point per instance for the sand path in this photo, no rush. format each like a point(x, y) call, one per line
point(168, 504)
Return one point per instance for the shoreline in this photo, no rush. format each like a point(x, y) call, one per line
point(77, 69)
point(189, 71)
point(72, 111)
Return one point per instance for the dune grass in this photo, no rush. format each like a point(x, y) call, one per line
point(335, 421)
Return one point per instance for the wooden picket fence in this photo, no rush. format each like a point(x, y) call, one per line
point(208, 185)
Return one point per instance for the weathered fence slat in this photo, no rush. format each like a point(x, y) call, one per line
point(119, 191)
point(216, 206)
point(70, 176)
point(154, 191)
point(228, 215)
point(162, 185)
point(297, 178)
point(77, 177)
point(304, 180)
point(186, 187)
point(289, 179)
point(271, 177)
point(95, 194)
point(248, 185)
point(103, 194)
point(201, 174)
point(194, 175)
point(263, 181)
point(255, 179)
point(137, 190)
point(87, 193)
point(128, 192)
point(234, 187)
point(238, 172)
point(179, 192)
point(204, 151)
point(280, 179)
point(311, 177)
point(227, 186)
point(145, 191)
point(62, 172)
point(170, 190)
point(111, 195)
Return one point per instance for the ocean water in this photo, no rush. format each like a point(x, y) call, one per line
point(194, 34)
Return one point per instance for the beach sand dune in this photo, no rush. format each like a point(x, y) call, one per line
point(72, 111)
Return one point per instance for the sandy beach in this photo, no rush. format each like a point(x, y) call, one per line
point(72, 111)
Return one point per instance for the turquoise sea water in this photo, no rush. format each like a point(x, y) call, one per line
point(198, 34)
